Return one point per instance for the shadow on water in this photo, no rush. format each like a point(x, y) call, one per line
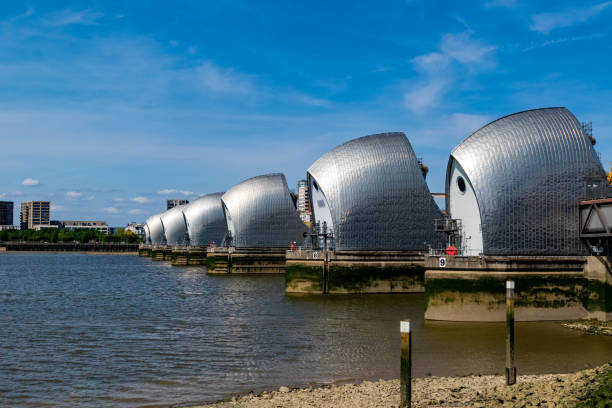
point(125, 331)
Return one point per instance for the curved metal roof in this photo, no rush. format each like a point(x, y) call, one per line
point(156, 229)
point(261, 214)
point(175, 229)
point(147, 234)
point(529, 170)
point(377, 194)
point(205, 220)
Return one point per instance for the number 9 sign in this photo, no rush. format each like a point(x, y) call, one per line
point(442, 262)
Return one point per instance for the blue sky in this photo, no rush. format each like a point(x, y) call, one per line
point(107, 108)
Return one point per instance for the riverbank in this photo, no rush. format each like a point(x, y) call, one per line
point(584, 388)
point(86, 247)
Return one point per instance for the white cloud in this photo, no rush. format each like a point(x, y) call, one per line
point(547, 22)
point(224, 80)
point(432, 62)
point(67, 17)
point(74, 194)
point(464, 49)
point(136, 211)
point(173, 43)
point(30, 182)
point(25, 14)
point(168, 191)
point(460, 48)
point(2, 195)
point(57, 207)
point(111, 210)
point(555, 41)
point(306, 99)
point(140, 199)
point(424, 96)
point(439, 68)
point(448, 130)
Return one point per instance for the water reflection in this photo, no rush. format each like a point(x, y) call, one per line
point(125, 331)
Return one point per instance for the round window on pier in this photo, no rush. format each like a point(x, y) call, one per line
point(461, 184)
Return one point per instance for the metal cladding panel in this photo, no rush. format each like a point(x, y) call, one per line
point(377, 195)
point(147, 234)
point(156, 229)
point(205, 220)
point(529, 170)
point(262, 213)
point(175, 229)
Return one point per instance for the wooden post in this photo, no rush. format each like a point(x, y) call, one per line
point(510, 368)
point(405, 367)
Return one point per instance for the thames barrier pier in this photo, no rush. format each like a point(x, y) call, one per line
point(188, 256)
point(331, 272)
point(472, 288)
point(535, 210)
point(242, 261)
point(527, 200)
point(144, 250)
point(262, 222)
point(374, 217)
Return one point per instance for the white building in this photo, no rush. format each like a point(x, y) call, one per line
point(70, 225)
point(136, 229)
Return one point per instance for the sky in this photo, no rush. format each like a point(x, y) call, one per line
point(108, 108)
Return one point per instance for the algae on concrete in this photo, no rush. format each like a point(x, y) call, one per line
point(355, 279)
point(302, 278)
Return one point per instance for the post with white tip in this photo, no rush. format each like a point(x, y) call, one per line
point(406, 369)
point(510, 368)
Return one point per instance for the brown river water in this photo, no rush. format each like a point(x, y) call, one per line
point(99, 330)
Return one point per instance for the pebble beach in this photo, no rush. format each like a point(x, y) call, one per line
point(549, 390)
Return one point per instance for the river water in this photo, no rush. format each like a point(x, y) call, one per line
point(104, 330)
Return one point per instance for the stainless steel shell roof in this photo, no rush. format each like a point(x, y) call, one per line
point(528, 171)
point(147, 235)
point(205, 220)
point(377, 195)
point(262, 214)
point(175, 229)
point(156, 229)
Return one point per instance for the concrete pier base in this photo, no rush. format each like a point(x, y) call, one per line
point(188, 257)
point(161, 254)
point(144, 251)
point(333, 272)
point(547, 288)
point(243, 261)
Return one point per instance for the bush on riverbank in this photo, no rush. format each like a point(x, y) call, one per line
point(599, 393)
point(64, 235)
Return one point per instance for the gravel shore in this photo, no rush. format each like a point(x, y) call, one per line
point(591, 326)
point(550, 390)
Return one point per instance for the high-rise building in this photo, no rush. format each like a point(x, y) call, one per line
point(303, 201)
point(6, 213)
point(35, 215)
point(175, 203)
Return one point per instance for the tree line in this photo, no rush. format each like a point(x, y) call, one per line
point(64, 235)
